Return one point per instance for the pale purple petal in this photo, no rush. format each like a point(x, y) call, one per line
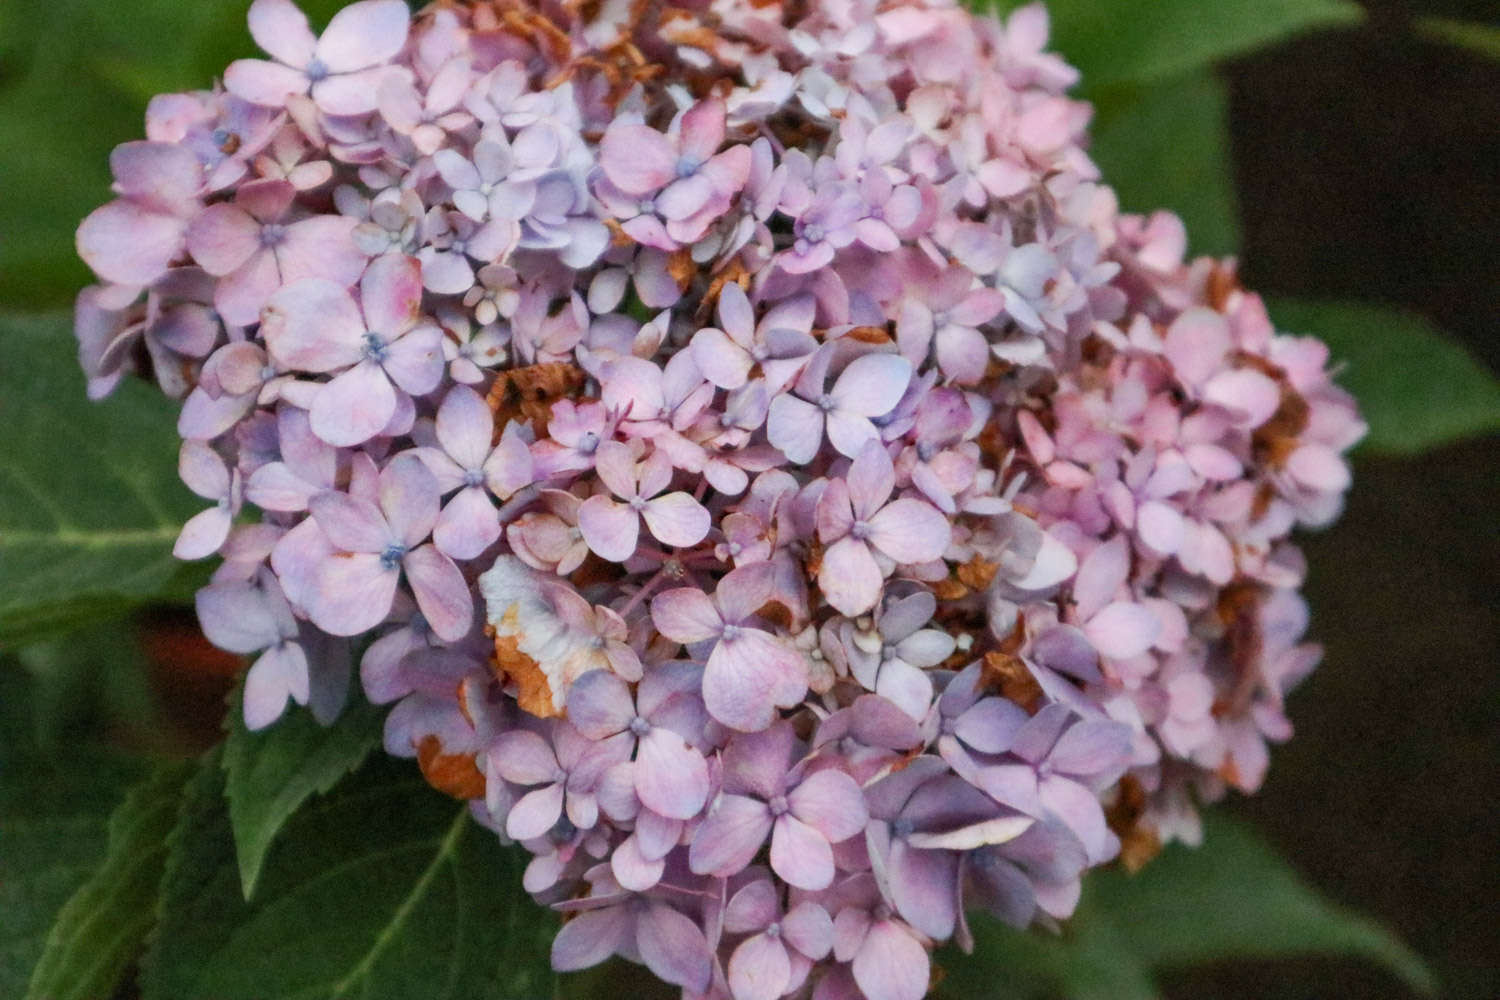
point(1123, 629)
point(830, 802)
point(849, 577)
point(685, 614)
point(279, 674)
point(441, 592)
point(610, 529)
point(364, 34)
point(891, 964)
point(354, 407)
point(670, 777)
point(729, 836)
point(599, 705)
point(673, 947)
point(128, 244)
point(872, 385)
point(637, 159)
point(352, 593)
point(203, 533)
point(748, 678)
point(265, 83)
point(281, 30)
point(590, 937)
point(313, 326)
point(535, 813)
point(759, 969)
point(795, 428)
point(676, 519)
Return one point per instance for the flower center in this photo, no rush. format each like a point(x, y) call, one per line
point(474, 477)
point(730, 633)
point(827, 403)
point(316, 70)
point(639, 727)
point(391, 557)
point(272, 234)
point(687, 165)
point(375, 347)
point(860, 530)
point(778, 805)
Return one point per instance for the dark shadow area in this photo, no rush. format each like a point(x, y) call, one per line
point(1368, 166)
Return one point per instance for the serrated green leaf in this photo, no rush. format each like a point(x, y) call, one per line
point(1233, 898)
point(54, 816)
point(269, 774)
point(1481, 39)
point(1140, 41)
point(1167, 146)
point(1417, 388)
point(381, 889)
point(99, 931)
point(90, 503)
point(1236, 898)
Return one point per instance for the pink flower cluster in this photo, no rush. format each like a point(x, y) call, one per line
point(746, 443)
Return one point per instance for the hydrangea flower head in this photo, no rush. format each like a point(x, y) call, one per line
point(747, 438)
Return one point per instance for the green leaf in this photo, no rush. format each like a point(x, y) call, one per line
point(1417, 388)
point(381, 889)
point(54, 816)
point(1236, 898)
point(90, 503)
point(1233, 898)
point(1481, 39)
point(1148, 40)
point(99, 931)
point(92, 680)
point(269, 774)
point(1167, 146)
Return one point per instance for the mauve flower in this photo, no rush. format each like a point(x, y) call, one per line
point(563, 773)
point(612, 528)
point(749, 672)
point(134, 238)
point(858, 520)
point(642, 927)
point(869, 386)
point(780, 345)
point(306, 467)
point(775, 958)
point(375, 544)
point(464, 460)
point(250, 616)
point(664, 720)
point(764, 794)
point(891, 659)
point(255, 250)
point(342, 69)
point(688, 181)
point(887, 959)
point(205, 473)
point(426, 119)
point(376, 346)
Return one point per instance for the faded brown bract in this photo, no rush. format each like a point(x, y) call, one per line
point(1139, 843)
point(452, 774)
point(1008, 674)
point(528, 393)
point(533, 689)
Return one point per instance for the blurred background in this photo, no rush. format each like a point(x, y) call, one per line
point(1342, 158)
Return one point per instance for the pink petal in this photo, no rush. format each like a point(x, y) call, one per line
point(265, 83)
point(364, 34)
point(673, 946)
point(871, 479)
point(891, 964)
point(354, 407)
point(415, 361)
point(830, 802)
point(590, 937)
point(203, 533)
point(730, 836)
point(749, 677)
point(321, 247)
point(637, 159)
point(351, 523)
point(795, 428)
point(241, 296)
point(1100, 576)
point(279, 674)
point(671, 777)
point(686, 615)
point(1160, 527)
point(677, 519)
point(468, 525)
point(312, 326)
point(352, 593)
point(632, 869)
point(1123, 629)
point(441, 592)
point(922, 887)
point(464, 426)
point(129, 245)
point(1318, 467)
point(800, 854)
point(759, 969)
point(849, 432)
point(616, 465)
point(722, 361)
point(390, 295)
point(599, 705)
point(535, 813)
point(348, 94)
point(849, 577)
point(610, 529)
point(872, 385)
point(1196, 344)
point(204, 472)
point(223, 237)
point(701, 129)
point(280, 29)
